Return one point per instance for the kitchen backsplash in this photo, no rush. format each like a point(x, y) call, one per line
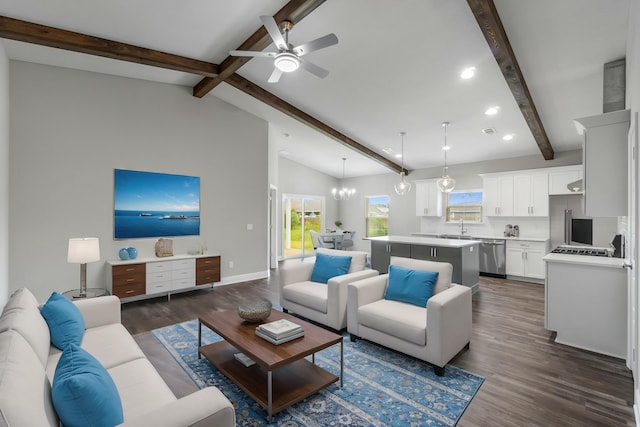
point(491, 227)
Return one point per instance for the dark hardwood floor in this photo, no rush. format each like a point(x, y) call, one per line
point(530, 380)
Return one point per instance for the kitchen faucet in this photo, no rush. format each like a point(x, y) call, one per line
point(462, 229)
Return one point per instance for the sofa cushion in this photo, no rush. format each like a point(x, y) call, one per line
point(66, 324)
point(308, 294)
point(358, 259)
point(83, 392)
point(328, 266)
point(410, 286)
point(111, 344)
point(398, 319)
point(444, 270)
point(25, 391)
point(28, 322)
point(22, 298)
point(141, 388)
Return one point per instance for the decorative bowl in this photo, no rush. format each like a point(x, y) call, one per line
point(255, 311)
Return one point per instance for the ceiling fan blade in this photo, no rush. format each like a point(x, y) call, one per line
point(252, 53)
point(313, 45)
point(275, 76)
point(273, 30)
point(314, 69)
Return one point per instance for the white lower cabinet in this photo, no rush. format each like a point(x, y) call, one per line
point(524, 258)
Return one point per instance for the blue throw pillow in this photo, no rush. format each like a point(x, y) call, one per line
point(410, 286)
point(328, 266)
point(83, 392)
point(66, 324)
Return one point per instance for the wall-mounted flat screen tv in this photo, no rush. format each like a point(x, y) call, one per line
point(150, 204)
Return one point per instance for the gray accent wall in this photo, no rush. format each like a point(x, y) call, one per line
point(4, 176)
point(70, 129)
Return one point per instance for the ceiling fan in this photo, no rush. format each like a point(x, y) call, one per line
point(288, 58)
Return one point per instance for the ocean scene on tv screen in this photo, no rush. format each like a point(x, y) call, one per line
point(150, 204)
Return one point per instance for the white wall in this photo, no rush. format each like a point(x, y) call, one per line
point(4, 176)
point(70, 129)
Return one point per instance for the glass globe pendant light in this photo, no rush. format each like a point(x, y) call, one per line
point(343, 193)
point(446, 183)
point(403, 187)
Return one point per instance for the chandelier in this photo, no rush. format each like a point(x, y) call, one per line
point(446, 183)
point(343, 193)
point(403, 187)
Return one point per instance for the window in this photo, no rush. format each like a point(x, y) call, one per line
point(465, 205)
point(377, 212)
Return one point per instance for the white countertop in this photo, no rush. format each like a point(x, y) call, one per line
point(433, 241)
point(158, 259)
point(476, 236)
point(585, 260)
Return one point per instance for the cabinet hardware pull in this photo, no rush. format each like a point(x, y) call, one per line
point(129, 269)
point(130, 280)
point(128, 292)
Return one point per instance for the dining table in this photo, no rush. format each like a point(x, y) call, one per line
point(332, 237)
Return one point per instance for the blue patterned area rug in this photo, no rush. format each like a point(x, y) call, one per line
point(381, 387)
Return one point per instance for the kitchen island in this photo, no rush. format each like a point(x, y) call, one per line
point(461, 253)
point(585, 302)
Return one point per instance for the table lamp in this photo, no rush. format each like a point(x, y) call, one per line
point(81, 251)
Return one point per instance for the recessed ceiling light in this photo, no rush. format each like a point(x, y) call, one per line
point(492, 110)
point(508, 137)
point(398, 156)
point(446, 147)
point(467, 73)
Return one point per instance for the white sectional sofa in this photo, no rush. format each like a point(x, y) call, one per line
point(28, 362)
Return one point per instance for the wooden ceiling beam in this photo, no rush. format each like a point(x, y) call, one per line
point(491, 26)
point(279, 104)
point(293, 11)
point(30, 32)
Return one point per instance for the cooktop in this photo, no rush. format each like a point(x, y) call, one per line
point(581, 250)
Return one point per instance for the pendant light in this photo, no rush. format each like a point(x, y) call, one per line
point(446, 183)
point(403, 187)
point(343, 193)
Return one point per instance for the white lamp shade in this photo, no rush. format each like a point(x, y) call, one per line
point(83, 250)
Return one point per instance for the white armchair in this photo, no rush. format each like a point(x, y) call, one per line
point(434, 334)
point(320, 302)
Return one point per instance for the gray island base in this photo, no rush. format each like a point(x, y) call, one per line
point(462, 254)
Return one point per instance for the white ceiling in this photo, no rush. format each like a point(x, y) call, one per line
point(395, 69)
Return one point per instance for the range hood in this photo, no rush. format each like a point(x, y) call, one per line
point(576, 186)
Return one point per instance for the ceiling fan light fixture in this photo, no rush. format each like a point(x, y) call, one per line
point(287, 62)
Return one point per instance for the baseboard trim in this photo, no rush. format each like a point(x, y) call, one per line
point(243, 278)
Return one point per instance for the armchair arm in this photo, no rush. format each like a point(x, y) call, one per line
point(363, 292)
point(206, 407)
point(99, 311)
point(337, 294)
point(448, 323)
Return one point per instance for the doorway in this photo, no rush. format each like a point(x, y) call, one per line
point(300, 214)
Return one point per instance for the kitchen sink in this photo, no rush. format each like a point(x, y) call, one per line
point(455, 236)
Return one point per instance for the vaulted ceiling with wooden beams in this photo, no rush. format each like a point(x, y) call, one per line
point(396, 68)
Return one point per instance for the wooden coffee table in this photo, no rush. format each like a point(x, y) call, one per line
point(281, 376)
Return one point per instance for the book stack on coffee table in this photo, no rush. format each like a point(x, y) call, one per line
point(280, 331)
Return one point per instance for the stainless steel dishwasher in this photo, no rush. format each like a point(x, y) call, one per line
point(493, 254)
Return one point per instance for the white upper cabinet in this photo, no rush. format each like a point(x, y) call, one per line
point(560, 177)
point(498, 195)
point(531, 194)
point(428, 198)
point(605, 157)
